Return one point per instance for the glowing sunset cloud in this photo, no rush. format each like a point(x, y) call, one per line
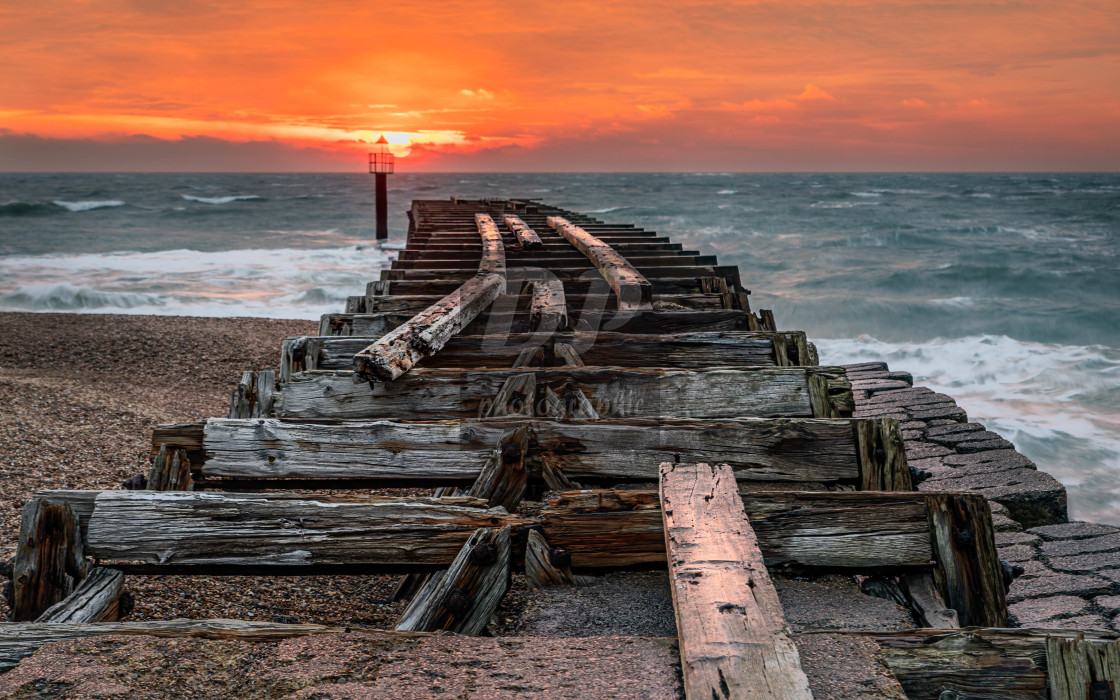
point(562, 86)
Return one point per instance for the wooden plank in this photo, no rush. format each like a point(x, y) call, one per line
point(503, 478)
point(677, 350)
point(732, 633)
point(450, 452)
point(526, 236)
point(96, 599)
point(368, 303)
point(854, 531)
point(49, 562)
point(682, 283)
point(426, 333)
point(882, 456)
point(438, 394)
point(574, 272)
point(463, 598)
point(548, 311)
point(508, 319)
point(273, 530)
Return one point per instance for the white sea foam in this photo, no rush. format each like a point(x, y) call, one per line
point(220, 200)
point(608, 210)
point(1056, 403)
point(279, 283)
point(727, 192)
point(866, 194)
point(88, 206)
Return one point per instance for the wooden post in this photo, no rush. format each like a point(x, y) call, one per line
point(733, 637)
point(503, 479)
point(171, 471)
point(463, 598)
point(1081, 670)
point(544, 565)
point(967, 572)
point(48, 563)
point(548, 310)
point(882, 456)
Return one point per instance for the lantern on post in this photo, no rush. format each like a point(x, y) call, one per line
point(381, 163)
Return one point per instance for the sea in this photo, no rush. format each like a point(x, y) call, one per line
point(1002, 290)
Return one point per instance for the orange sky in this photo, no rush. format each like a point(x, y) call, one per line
point(559, 85)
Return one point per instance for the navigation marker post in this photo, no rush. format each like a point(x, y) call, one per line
point(381, 163)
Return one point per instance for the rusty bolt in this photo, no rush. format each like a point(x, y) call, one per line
point(559, 557)
point(125, 604)
point(457, 602)
point(880, 454)
point(964, 538)
point(511, 452)
point(138, 482)
point(483, 554)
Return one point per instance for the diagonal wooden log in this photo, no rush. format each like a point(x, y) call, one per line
point(630, 287)
point(733, 636)
point(94, 600)
point(526, 236)
point(428, 331)
point(463, 598)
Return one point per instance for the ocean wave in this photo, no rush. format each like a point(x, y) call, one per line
point(278, 283)
point(26, 209)
point(88, 206)
point(607, 210)
point(725, 192)
point(866, 194)
point(220, 200)
point(66, 297)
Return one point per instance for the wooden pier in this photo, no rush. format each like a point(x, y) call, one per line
point(518, 352)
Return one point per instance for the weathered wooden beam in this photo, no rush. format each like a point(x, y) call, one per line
point(526, 236)
point(574, 272)
point(1010, 664)
point(493, 250)
point(427, 332)
point(882, 456)
point(49, 562)
point(450, 452)
point(503, 478)
point(369, 303)
point(676, 350)
point(901, 530)
point(845, 530)
point(548, 311)
point(437, 394)
point(201, 529)
point(511, 320)
point(463, 598)
point(96, 599)
point(732, 633)
point(630, 287)
point(683, 282)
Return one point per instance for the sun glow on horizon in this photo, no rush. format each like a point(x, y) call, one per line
point(803, 85)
